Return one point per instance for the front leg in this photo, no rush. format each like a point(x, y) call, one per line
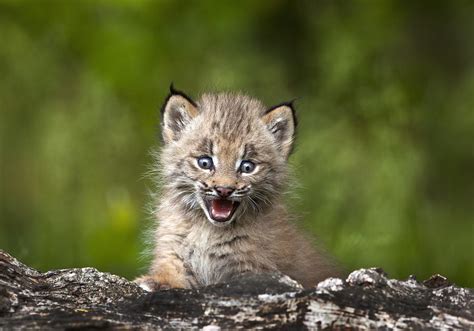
point(167, 272)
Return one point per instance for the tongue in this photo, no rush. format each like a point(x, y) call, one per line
point(221, 209)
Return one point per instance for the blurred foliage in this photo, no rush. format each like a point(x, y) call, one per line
point(385, 92)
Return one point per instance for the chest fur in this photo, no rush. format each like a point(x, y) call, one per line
point(212, 257)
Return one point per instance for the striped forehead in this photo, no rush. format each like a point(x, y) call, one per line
point(230, 116)
point(230, 146)
point(216, 145)
point(230, 128)
point(231, 122)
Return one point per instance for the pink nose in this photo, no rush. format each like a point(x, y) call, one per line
point(224, 191)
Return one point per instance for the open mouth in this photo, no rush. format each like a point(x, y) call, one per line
point(221, 210)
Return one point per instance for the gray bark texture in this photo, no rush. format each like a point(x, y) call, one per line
point(86, 298)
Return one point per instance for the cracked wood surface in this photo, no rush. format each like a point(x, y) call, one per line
point(87, 298)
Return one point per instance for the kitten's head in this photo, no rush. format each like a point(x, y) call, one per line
point(225, 156)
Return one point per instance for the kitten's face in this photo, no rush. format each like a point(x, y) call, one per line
point(227, 162)
point(228, 174)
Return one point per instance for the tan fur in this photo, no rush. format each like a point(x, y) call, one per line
point(190, 249)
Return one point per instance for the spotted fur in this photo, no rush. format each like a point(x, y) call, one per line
point(192, 250)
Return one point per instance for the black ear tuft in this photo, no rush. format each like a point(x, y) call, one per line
point(175, 91)
point(172, 89)
point(290, 104)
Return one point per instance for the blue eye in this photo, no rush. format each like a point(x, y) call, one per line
point(247, 167)
point(205, 162)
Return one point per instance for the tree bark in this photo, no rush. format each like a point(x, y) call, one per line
point(87, 298)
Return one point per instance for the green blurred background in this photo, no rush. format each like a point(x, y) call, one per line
point(385, 92)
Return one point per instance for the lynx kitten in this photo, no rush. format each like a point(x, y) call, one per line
point(224, 169)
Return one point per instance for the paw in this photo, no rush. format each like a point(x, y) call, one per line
point(150, 284)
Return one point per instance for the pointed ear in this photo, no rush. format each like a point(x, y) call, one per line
point(176, 113)
point(281, 122)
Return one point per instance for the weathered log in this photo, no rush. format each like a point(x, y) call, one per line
point(87, 298)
